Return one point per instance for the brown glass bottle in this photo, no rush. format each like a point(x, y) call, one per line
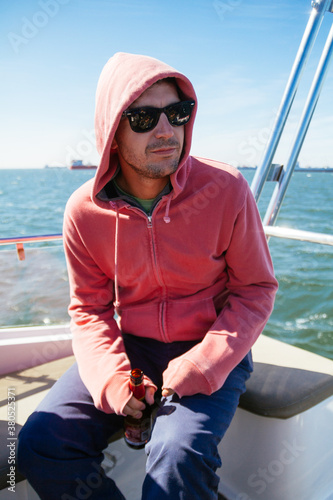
point(137, 431)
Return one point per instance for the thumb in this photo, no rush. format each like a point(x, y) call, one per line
point(167, 392)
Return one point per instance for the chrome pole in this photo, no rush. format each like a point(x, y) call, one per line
point(310, 105)
point(318, 10)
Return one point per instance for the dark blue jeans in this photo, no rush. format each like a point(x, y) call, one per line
point(61, 444)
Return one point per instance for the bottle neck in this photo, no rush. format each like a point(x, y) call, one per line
point(136, 384)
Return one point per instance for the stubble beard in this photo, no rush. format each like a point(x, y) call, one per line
point(158, 169)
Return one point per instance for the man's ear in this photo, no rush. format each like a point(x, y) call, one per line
point(114, 144)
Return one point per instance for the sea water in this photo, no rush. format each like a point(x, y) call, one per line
point(35, 291)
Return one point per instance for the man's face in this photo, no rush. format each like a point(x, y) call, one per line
point(154, 154)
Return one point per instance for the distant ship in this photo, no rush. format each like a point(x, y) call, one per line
point(78, 164)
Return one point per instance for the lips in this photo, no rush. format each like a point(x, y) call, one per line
point(164, 151)
point(163, 148)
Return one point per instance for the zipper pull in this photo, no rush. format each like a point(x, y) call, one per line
point(150, 224)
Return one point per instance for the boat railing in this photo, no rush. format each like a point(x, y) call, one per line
point(263, 172)
point(278, 232)
point(300, 235)
point(20, 240)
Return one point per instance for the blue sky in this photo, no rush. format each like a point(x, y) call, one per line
point(238, 54)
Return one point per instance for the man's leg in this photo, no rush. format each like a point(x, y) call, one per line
point(60, 446)
point(182, 453)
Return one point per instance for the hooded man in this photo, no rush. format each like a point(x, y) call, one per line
point(169, 272)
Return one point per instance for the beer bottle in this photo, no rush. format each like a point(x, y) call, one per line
point(137, 431)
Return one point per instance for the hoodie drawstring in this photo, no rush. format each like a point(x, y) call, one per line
point(166, 217)
point(116, 289)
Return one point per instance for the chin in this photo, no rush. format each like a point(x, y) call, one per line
point(159, 171)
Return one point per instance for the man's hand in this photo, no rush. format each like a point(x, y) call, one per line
point(134, 407)
point(167, 392)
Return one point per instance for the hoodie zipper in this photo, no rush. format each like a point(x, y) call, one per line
point(162, 305)
point(150, 229)
point(156, 269)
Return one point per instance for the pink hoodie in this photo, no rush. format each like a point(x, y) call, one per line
point(198, 268)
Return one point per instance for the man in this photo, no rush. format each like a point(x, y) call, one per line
point(174, 246)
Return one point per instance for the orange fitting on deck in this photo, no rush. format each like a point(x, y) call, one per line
point(20, 251)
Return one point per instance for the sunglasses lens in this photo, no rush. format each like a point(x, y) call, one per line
point(179, 114)
point(143, 120)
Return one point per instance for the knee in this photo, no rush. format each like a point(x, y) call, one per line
point(169, 434)
point(26, 446)
point(37, 440)
point(181, 444)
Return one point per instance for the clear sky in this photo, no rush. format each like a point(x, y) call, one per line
point(238, 54)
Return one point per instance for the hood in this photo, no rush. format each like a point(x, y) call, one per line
point(123, 79)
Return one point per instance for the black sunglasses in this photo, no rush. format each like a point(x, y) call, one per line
point(146, 118)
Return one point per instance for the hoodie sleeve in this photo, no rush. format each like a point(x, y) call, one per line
point(97, 341)
point(252, 288)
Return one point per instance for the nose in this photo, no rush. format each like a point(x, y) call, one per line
point(163, 127)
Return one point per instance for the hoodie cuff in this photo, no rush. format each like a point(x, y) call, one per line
point(185, 379)
point(116, 394)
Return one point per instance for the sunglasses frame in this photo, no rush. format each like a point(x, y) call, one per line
point(156, 113)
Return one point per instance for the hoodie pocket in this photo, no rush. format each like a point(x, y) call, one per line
point(189, 319)
point(141, 320)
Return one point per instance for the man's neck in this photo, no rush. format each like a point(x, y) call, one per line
point(143, 188)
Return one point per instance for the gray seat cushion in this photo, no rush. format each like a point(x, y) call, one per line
point(282, 392)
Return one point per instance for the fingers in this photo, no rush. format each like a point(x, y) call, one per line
point(150, 392)
point(134, 408)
